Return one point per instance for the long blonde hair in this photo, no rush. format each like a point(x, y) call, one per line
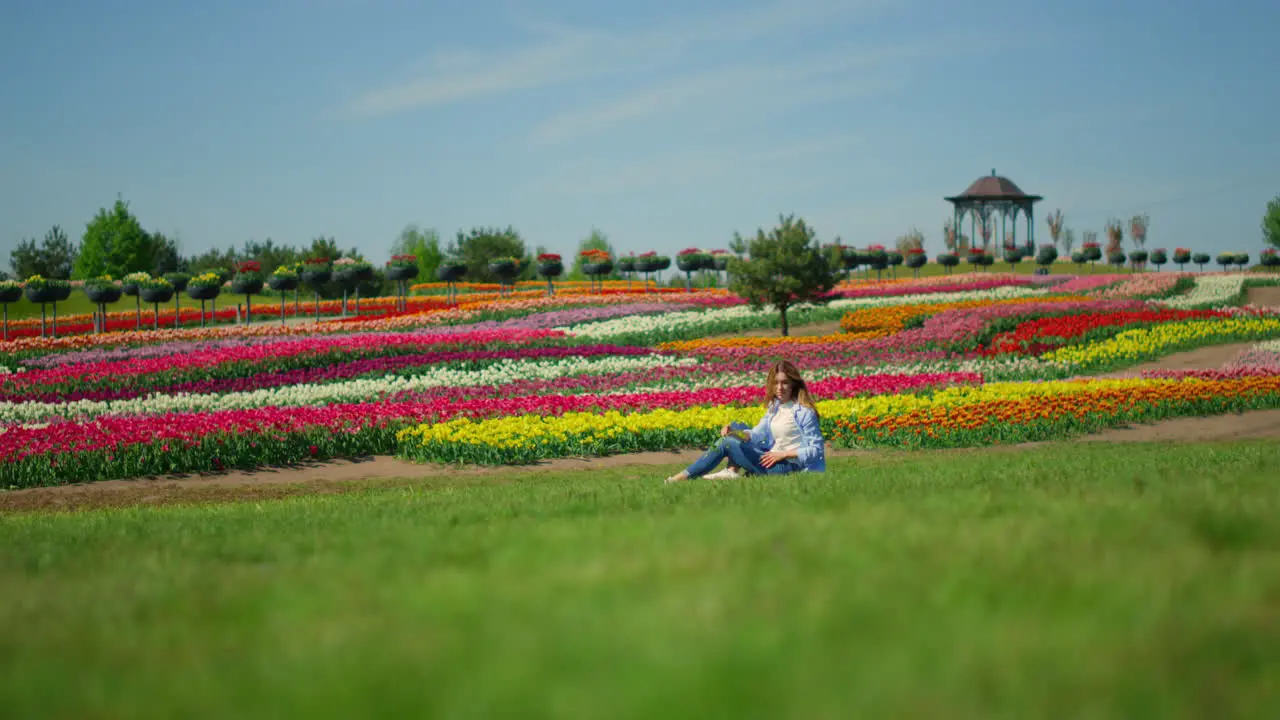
point(799, 390)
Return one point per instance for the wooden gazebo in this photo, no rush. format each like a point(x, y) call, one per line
point(994, 195)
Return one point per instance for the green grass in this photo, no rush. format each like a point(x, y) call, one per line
point(73, 305)
point(1084, 580)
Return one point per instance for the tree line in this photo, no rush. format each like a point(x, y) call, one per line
point(115, 243)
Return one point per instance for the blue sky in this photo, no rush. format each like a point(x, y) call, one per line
point(665, 124)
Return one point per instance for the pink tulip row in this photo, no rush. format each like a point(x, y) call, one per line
point(286, 347)
point(135, 386)
point(943, 330)
point(112, 433)
point(1085, 283)
point(1140, 286)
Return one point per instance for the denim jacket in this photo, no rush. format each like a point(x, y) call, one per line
point(811, 454)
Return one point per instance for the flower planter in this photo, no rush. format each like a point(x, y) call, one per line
point(246, 286)
point(451, 273)
point(551, 269)
point(316, 277)
point(179, 281)
point(351, 276)
point(689, 264)
point(10, 294)
point(720, 263)
point(400, 273)
point(48, 294)
point(157, 295)
point(504, 270)
point(203, 292)
point(598, 268)
point(283, 283)
point(650, 264)
point(103, 295)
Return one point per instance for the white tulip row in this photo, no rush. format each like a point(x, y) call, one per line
point(692, 319)
point(351, 391)
point(1210, 289)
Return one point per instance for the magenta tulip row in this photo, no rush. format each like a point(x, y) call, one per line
point(285, 347)
point(110, 433)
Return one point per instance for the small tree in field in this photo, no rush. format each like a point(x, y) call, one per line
point(786, 267)
point(1271, 223)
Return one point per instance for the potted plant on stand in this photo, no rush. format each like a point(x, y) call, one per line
point(155, 291)
point(550, 266)
point(350, 272)
point(179, 282)
point(10, 292)
point(400, 270)
point(101, 291)
point(691, 260)
point(282, 280)
point(203, 287)
point(506, 269)
point(596, 264)
point(315, 273)
point(129, 284)
point(915, 260)
point(248, 282)
point(47, 290)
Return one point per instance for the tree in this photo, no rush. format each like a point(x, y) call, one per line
point(54, 258)
point(423, 244)
point(1055, 220)
point(25, 259)
point(58, 254)
point(211, 259)
point(786, 267)
point(269, 255)
point(114, 244)
point(912, 240)
point(738, 246)
point(597, 240)
point(1068, 240)
point(165, 257)
point(1271, 223)
point(323, 247)
point(1138, 226)
point(477, 248)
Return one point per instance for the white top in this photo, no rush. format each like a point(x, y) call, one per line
point(786, 434)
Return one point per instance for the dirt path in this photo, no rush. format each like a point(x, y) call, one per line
point(1205, 358)
point(1264, 296)
point(809, 330)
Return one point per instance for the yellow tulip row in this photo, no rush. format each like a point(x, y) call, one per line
point(1145, 342)
point(573, 429)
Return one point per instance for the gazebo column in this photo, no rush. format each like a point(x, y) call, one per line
point(955, 226)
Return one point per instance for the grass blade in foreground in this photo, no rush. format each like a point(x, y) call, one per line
point(1135, 581)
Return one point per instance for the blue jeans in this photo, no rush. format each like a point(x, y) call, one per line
point(744, 455)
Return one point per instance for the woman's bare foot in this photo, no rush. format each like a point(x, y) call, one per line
point(678, 477)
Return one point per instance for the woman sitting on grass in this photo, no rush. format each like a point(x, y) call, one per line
point(786, 440)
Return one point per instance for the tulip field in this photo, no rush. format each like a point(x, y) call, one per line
point(953, 361)
point(956, 559)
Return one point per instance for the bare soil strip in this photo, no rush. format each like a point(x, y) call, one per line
point(1264, 296)
point(380, 472)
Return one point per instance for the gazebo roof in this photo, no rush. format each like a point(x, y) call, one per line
point(993, 187)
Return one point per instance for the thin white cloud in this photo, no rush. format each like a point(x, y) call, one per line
point(563, 53)
point(688, 167)
point(798, 83)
